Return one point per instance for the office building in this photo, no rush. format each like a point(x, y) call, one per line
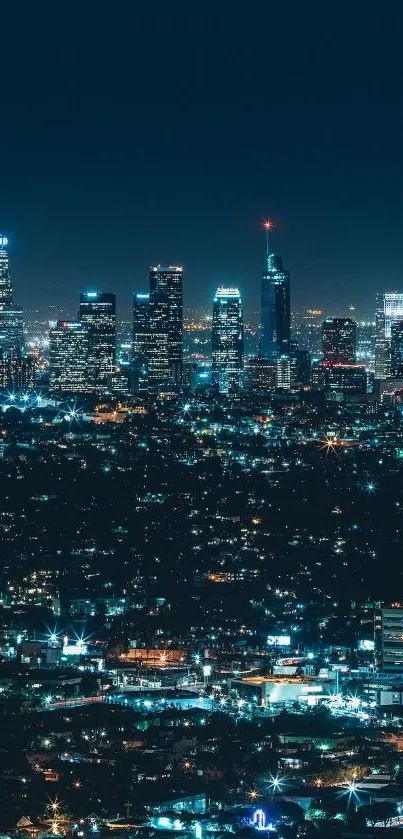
point(6, 291)
point(98, 315)
point(151, 361)
point(339, 340)
point(344, 378)
point(16, 371)
point(68, 356)
point(158, 347)
point(301, 368)
point(11, 328)
point(275, 328)
point(11, 316)
point(283, 373)
point(396, 350)
point(260, 374)
point(389, 640)
point(168, 280)
point(389, 308)
point(227, 340)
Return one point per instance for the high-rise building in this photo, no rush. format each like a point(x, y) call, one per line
point(283, 373)
point(17, 371)
point(396, 350)
point(259, 374)
point(389, 307)
point(227, 340)
point(344, 378)
point(158, 347)
point(339, 340)
point(6, 291)
point(168, 280)
point(141, 337)
point(98, 315)
point(389, 640)
point(275, 326)
point(11, 316)
point(151, 365)
point(11, 328)
point(68, 356)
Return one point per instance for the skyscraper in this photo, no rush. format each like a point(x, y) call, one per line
point(339, 340)
point(6, 292)
point(227, 340)
point(158, 347)
point(151, 367)
point(169, 280)
point(275, 328)
point(141, 301)
point(396, 350)
point(389, 307)
point(11, 328)
point(69, 357)
point(98, 315)
point(11, 316)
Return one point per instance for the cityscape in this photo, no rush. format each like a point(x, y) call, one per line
point(201, 424)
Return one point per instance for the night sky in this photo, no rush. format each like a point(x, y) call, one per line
point(169, 133)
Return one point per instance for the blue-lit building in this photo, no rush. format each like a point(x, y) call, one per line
point(6, 291)
point(98, 315)
point(227, 340)
point(275, 326)
point(11, 329)
point(11, 316)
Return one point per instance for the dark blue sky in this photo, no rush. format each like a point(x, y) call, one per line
point(167, 134)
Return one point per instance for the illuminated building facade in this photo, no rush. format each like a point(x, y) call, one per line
point(283, 373)
point(98, 315)
point(275, 328)
point(158, 346)
point(11, 328)
point(168, 280)
point(339, 340)
point(260, 374)
point(344, 378)
point(17, 372)
point(227, 340)
point(389, 640)
point(151, 362)
point(6, 291)
point(389, 308)
point(69, 357)
point(396, 350)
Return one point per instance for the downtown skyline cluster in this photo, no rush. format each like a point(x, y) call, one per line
point(84, 356)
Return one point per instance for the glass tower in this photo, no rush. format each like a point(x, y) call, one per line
point(168, 280)
point(275, 328)
point(6, 291)
point(98, 314)
point(389, 307)
point(69, 357)
point(227, 340)
point(396, 350)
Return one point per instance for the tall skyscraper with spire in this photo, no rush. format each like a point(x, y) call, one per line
point(275, 325)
